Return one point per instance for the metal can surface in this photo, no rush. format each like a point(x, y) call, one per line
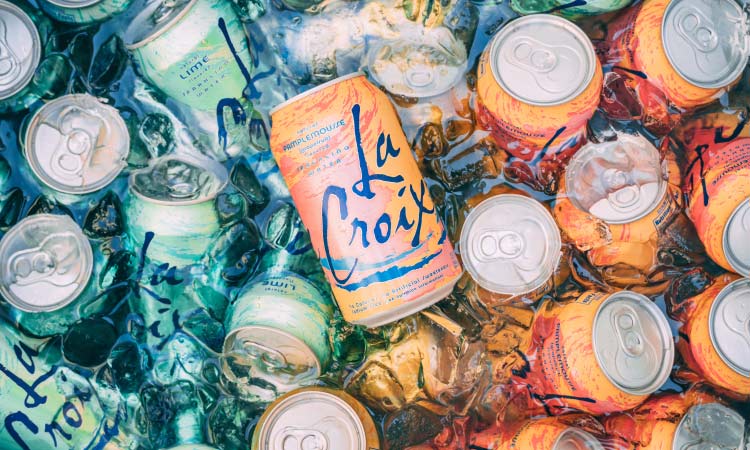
point(510, 245)
point(173, 198)
point(20, 49)
point(76, 144)
point(545, 433)
point(83, 11)
point(538, 84)
point(602, 352)
point(318, 418)
point(348, 165)
point(278, 329)
point(567, 8)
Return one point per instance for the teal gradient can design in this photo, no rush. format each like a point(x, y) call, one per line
point(83, 11)
point(568, 8)
point(278, 330)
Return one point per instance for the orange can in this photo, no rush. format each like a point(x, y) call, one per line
point(538, 84)
point(359, 192)
point(715, 335)
point(547, 433)
point(600, 353)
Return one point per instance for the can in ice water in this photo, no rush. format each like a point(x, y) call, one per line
point(602, 352)
point(20, 49)
point(76, 144)
point(316, 418)
point(568, 8)
point(546, 433)
point(83, 11)
point(715, 336)
point(349, 168)
point(538, 84)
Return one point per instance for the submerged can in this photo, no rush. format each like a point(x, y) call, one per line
point(715, 337)
point(83, 11)
point(350, 171)
point(170, 206)
point(546, 433)
point(76, 144)
point(511, 245)
point(538, 84)
point(278, 329)
point(20, 50)
point(316, 418)
point(602, 352)
point(567, 8)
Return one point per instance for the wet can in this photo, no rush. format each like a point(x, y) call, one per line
point(567, 8)
point(715, 337)
point(359, 192)
point(546, 433)
point(538, 84)
point(171, 211)
point(318, 418)
point(20, 55)
point(83, 11)
point(278, 330)
point(511, 245)
point(600, 353)
point(76, 145)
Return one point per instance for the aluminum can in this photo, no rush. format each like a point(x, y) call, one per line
point(173, 198)
point(600, 353)
point(20, 51)
point(83, 11)
point(76, 144)
point(715, 338)
point(511, 245)
point(359, 192)
point(567, 8)
point(538, 84)
point(278, 329)
point(316, 418)
point(545, 433)
point(616, 198)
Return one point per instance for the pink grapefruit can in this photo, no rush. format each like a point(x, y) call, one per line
point(359, 192)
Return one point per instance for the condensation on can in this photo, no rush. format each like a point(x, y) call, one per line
point(20, 49)
point(709, 424)
point(83, 11)
point(546, 433)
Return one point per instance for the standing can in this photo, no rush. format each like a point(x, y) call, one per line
point(545, 433)
point(316, 418)
point(600, 353)
point(567, 8)
point(538, 84)
point(350, 171)
point(83, 11)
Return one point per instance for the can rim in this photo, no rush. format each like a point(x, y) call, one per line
point(28, 147)
point(676, 445)
point(734, 262)
point(68, 4)
point(158, 32)
point(314, 90)
point(36, 48)
point(741, 283)
point(510, 27)
point(587, 438)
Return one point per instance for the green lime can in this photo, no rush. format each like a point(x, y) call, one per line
point(568, 8)
point(83, 11)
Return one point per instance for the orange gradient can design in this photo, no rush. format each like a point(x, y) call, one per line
point(359, 192)
point(548, 433)
point(538, 84)
point(600, 353)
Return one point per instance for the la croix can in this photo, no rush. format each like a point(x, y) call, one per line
point(545, 433)
point(600, 353)
point(538, 84)
point(359, 192)
point(83, 11)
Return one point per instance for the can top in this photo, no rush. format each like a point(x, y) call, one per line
point(76, 144)
point(179, 180)
point(48, 263)
point(729, 325)
point(20, 49)
point(616, 181)
point(542, 59)
point(709, 426)
point(510, 244)
point(706, 42)
point(576, 439)
point(633, 343)
point(314, 90)
point(154, 20)
point(736, 231)
point(318, 419)
point(73, 4)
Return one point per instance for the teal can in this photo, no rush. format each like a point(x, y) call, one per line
point(83, 11)
point(568, 8)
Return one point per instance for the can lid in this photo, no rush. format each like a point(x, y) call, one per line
point(154, 20)
point(20, 49)
point(193, 447)
point(709, 426)
point(735, 241)
point(179, 180)
point(617, 181)
point(76, 144)
point(423, 64)
point(510, 244)
point(73, 4)
point(576, 439)
point(633, 343)
point(311, 419)
point(542, 59)
point(706, 41)
point(47, 263)
point(314, 90)
point(729, 325)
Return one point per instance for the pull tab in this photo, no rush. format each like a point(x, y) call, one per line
point(184, 182)
point(697, 29)
point(10, 64)
point(49, 262)
point(737, 319)
point(532, 55)
point(629, 332)
point(164, 10)
point(492, 245)
point(80, 132)
point(300, 439)
point(553, 68)
point(272, 358)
